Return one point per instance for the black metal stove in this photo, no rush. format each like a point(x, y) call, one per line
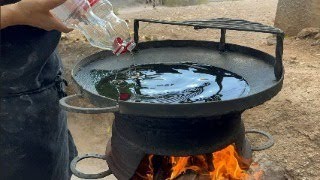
point(134, 137)
point(181, 129)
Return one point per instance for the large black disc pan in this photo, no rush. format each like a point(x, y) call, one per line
point(261, 70)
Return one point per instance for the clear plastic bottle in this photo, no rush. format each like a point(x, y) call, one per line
point(100, 32)
point(104, 10)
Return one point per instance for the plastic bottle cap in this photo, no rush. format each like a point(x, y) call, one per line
point(124, 96)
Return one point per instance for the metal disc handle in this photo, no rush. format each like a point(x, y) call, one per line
point(64, 103)
point(88, 176)
point(264, 146)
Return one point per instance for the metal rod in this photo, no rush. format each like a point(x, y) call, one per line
point(136, 33)
point(222, 45)
point(278, 65)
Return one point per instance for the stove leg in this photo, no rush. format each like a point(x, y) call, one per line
point(209, 161)
point(243, 149)
point(162, 167)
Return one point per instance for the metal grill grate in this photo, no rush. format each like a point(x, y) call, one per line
point(226, 24)
point(221, 23)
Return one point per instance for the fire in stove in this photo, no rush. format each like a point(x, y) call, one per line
point(220, 165)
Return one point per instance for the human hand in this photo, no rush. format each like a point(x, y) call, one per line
point(34, 13)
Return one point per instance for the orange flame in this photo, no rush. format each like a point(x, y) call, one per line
point(221, 165)
point(227, 165)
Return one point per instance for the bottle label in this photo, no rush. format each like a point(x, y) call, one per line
point(93, 2)
point(117, 46)
point(121, 47)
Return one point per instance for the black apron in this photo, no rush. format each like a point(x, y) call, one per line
point(34, 139)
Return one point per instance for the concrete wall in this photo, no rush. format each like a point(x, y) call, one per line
point(294, 15)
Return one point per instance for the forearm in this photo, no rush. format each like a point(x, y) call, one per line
point(34, 13)
point(9, 16)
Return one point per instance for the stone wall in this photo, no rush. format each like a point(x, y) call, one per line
point(294, 15)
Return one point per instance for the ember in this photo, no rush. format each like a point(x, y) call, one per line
point(223, 164)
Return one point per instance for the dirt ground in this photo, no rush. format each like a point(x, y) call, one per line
point(292, 117)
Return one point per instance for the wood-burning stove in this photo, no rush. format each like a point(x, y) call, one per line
point(161, 129)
